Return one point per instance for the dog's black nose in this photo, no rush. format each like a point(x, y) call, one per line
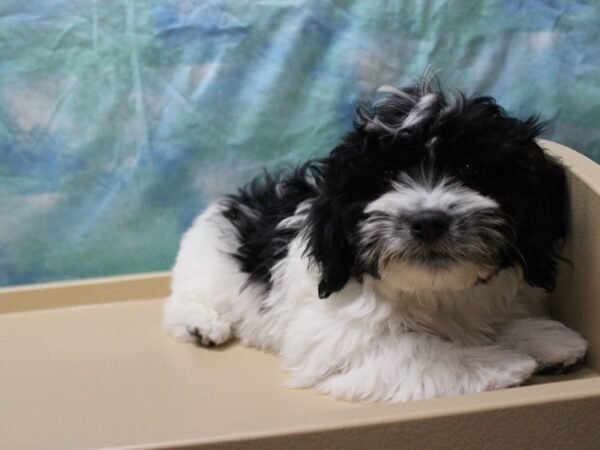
point(429, 225)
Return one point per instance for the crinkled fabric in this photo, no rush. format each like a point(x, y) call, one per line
point(120, 121)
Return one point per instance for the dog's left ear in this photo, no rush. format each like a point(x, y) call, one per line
point(547, 219)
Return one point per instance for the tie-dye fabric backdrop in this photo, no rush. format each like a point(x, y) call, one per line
point(120, 120)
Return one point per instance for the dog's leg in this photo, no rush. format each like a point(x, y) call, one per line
point(205, 280)
point(555, 347)
point(415, 366)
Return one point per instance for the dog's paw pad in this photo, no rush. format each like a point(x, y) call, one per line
point(559, 368)
point(201, 340)
point(209, 333)
point(189, 322)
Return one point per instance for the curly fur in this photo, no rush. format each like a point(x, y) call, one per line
point(406, 264)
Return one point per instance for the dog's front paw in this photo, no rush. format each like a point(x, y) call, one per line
point(555, 347)
point(512, 368)
point(192, 322)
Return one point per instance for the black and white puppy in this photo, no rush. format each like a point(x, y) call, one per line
point(407, 264)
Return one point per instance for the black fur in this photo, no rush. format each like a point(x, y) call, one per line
point(256, 210)
point(477, 143)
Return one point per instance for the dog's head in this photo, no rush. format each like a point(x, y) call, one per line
point(433, 192)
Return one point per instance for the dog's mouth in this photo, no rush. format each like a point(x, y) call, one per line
point(432, 260)
point(437, 261)
point(435, 271)
point(429, 256)
point(446, 253)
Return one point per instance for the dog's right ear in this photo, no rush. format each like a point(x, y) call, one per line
point(329, 245)
point(330, 220)
point(335, 213)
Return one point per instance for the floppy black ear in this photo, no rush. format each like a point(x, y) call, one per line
point(546, 223)
point(329, 245)
point(330, 221)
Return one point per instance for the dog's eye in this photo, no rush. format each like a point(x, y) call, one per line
point(470, 170)
point(388, 173)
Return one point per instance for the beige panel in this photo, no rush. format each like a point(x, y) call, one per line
point(84, 292)
point(577, 297)
point(107, 375)
point(98, 371)
point(569, 425)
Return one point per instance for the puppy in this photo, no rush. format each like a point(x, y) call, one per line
point(407, 264)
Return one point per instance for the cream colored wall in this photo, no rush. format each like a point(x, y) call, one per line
point(577, 298)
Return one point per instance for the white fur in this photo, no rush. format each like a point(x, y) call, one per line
point(409, 194)
point(420, 110)
point(370, 341)
point(549, 342)
point(408, 197)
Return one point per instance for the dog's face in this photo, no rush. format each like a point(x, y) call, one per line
point(429, 193)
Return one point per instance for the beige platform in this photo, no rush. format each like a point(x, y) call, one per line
point(87, 365)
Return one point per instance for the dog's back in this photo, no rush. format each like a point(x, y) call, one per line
point(258, 209)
